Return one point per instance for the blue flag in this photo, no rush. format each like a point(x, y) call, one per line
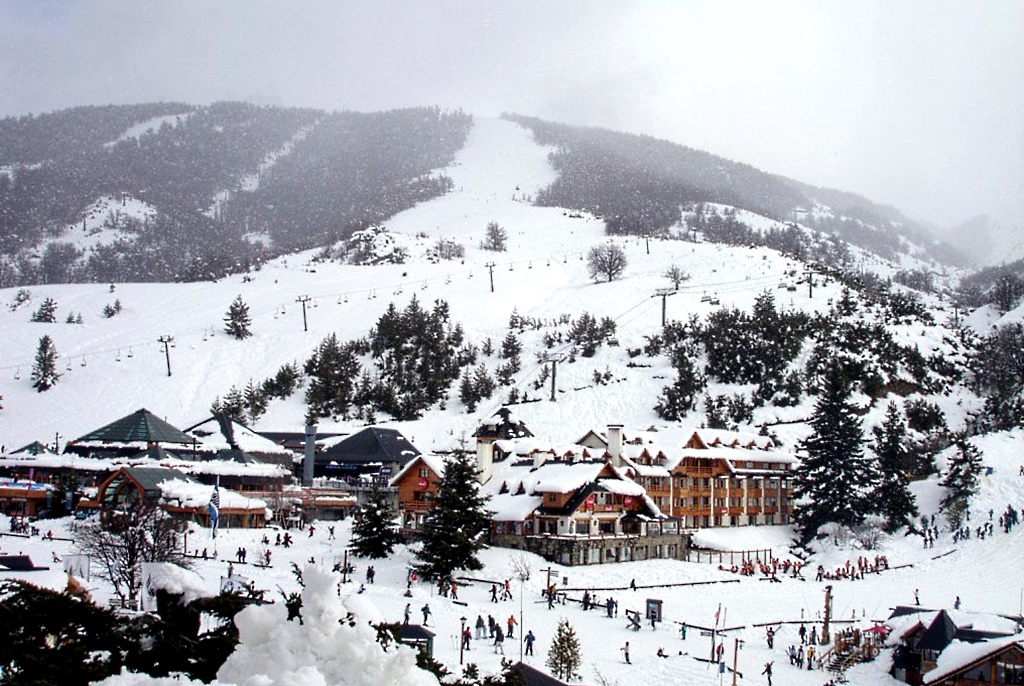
point(214, 509)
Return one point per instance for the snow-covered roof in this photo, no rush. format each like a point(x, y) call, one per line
point(112, 464)
point(508, 507)
point(210, 437)
point(435, 463)
point(193, 494)
point(961, 654)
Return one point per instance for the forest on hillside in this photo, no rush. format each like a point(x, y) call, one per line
point(342, 171)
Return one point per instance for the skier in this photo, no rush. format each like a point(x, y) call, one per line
point(426, 613)
point(625, 652)
point(530, 638)
point(499, 640)
point(511, 625)
point(405, 615)
point(770, 636)
point(480, 632)
point(370, 573)
point(767, 671)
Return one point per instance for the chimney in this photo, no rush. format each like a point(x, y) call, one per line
point(539, 458)
point(310, 455)
point(615, 444)
point(484, 459)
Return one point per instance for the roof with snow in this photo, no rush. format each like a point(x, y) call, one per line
point(34, 448)
point(503, 424)
point(373, 444)
point(961, 656)
point(140, 426)
point(434, 463)
point(220, 432)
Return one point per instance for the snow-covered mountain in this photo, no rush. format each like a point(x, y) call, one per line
point(111, 366)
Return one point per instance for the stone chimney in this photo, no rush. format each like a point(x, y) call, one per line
point(309, 457)
point(615, 443)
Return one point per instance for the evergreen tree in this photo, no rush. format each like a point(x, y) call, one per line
point(511, 347)
point(44, 371)
point(46, 312)
point(332, 369)
point(233, 405)
point(56, 638)
point(893, 499)
point(255, 402)
point(680, 398)
point(237, 320)
point(961, 481)
point(374, 532)
point(832, 483)
point(564, 654)
point(454, 530)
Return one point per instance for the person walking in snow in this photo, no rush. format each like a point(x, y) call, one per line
point(426, 613)
point(499, 640)
point(530, 638)
point(625, 653)
point(405, 615)
point(511, 625)
point(480, 631)
point(767, 671)
point(370, 573)
point(770, 636)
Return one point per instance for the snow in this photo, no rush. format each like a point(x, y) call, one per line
point(164, 576)
point(193, 494)
point(541, 276)
point(142, 128)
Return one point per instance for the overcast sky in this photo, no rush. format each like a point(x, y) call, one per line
point(918, 104)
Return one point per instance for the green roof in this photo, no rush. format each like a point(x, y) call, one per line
point(141, 425)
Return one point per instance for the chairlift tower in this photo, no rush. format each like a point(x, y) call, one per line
point(663, 293)
point(554, 359)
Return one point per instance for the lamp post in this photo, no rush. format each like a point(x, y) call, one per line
point(462, 639)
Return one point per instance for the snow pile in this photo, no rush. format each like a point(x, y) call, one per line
point(164, 576)
point(325, 649)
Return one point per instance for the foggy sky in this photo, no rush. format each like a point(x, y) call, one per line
point(917, 104)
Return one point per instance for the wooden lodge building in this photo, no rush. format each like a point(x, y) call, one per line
point(181, 496)
point(954, 648)
point(610, 497)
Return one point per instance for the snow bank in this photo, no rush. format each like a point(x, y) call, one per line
point(329, 648)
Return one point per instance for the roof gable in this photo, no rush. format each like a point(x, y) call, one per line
point(141, 425)
point(373, 444)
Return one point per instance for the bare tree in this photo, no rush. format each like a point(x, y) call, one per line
point(124, 539)
point(676, 275)
point(495, 238)
point(606, 261)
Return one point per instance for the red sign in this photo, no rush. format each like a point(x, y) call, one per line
point(627, 501)
point(423, 483)
point(590, 501)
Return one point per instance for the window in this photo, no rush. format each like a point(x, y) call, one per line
point(1008, 673)
point(424, 472)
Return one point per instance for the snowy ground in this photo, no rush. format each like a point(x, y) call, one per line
point(982, 572)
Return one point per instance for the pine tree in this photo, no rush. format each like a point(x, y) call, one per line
point(46, 312)
point(832, 483)
point(255, 401)
point(332, 371)
point(893, 499)
point(961, 481)
point(564, 654)
point(237, 320)
point(678, 399)
point(454, 528)
point(374, 532)
point(44, 371)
